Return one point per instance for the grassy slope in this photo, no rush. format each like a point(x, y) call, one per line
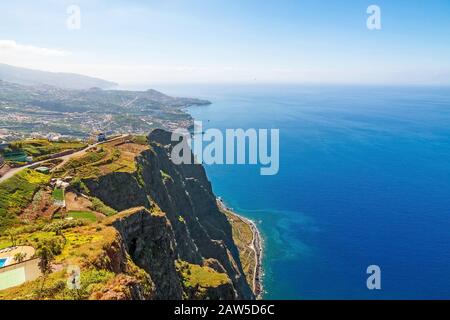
point(58, 194)
point(99, 206)
point(43, 147)
point(77, 245)
point(82, 243)
point(200, 277)
point(16, 193)
point(86, 215)
point(105, 159)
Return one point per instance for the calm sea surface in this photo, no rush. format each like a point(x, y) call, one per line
point(364, 179)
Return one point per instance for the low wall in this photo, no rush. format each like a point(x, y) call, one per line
point(16, 274)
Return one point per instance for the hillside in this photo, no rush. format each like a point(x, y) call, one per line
point(140, 227)
point(31, 77)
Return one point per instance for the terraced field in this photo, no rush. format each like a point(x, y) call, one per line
point(116, 156)
point(17, 194)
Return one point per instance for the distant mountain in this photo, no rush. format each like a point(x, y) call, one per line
point(62, 80)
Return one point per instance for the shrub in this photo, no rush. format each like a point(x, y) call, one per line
point(62, 225)
point(166, 177)
point(99, 206)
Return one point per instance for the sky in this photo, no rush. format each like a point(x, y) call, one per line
point(231, 41)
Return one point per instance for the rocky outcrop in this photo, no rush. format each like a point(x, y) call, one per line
point(151, 245)
point(185, 223)
point(122, 287)
point(119, 190)
point(131, 282)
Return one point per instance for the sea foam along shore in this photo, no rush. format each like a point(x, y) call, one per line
point(256, 246)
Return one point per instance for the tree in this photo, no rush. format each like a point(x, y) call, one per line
point(19, 257)
point(12, 236)
point(59, 232)
point(46, 257)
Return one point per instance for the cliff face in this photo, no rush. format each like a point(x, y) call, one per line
point(150, 243)
point(188, 228)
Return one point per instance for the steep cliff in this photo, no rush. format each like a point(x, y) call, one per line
point(185, 244)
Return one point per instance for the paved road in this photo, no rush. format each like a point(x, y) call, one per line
point(65, 158)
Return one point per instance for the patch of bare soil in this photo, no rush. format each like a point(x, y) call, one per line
point(75, 202)
point(42, 206)
point(133, 148)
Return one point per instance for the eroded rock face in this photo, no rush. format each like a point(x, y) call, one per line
point(131, 282)
point(191, 229)
point(151, 245)
point(119, 190)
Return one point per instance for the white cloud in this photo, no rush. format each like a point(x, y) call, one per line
point(10, 47)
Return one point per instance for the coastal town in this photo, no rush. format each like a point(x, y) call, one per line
point(42, 111)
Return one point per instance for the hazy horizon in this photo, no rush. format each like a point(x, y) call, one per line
point(145, 85)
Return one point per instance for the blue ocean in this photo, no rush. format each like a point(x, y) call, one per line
point(364, 180)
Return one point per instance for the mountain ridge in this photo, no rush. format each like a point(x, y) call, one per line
point(26, 76)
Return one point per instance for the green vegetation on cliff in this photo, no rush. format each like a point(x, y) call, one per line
point(58, 194)
point(107, 272)
point(42, 147)
point(16, 193)
point(99, 206)
point(91, 281)
point(115, 156)
point(195, 276)
point(141, 228)
point(86, 215)
point(199, 280)
point(39, 149)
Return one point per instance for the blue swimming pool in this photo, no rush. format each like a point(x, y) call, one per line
point(2, 262)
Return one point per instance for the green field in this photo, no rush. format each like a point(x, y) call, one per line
point(82, 215)
point(58, 194)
